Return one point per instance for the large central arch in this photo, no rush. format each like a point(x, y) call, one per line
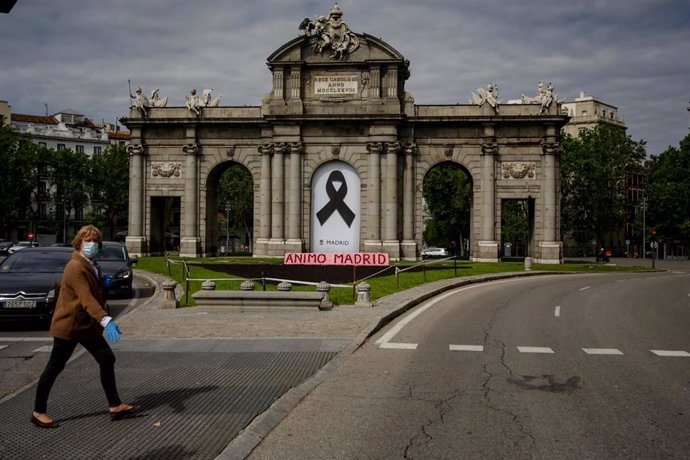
point(347, 105)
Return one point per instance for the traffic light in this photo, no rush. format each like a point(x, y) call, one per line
point(653, 234)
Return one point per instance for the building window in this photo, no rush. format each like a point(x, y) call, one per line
point(79, 149)
point(96, 149)
point(79, 213)
point(43, 211)
point(61, 146)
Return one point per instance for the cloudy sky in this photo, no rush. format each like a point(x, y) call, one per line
point(633, 54)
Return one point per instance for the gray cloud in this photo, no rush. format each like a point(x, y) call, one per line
point(80, 54)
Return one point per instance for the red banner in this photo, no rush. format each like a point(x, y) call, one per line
point(371, 259)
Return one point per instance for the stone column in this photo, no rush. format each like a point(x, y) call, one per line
point(391, 244)
point(409, 247)
point(294, 186)
point(372, 239)
point(277, 201)
point(190, 243)
point(550, 248)
point(136, 241)
point(266, 151)
point(488, 245)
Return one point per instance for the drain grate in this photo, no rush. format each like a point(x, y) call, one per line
point(193, 404)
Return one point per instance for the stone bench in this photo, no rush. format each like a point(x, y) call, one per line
point(262, 299)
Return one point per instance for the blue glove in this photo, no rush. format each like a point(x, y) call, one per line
point(112, 332)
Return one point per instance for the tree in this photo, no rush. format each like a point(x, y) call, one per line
point(236, 189)
point(109, 183)
point(448, 197)
point(668, 194)
point(515, 225)
point(18, 176)
point(594, 167)
point(69, 175)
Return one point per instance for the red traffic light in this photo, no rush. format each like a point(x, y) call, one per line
point(653, 232)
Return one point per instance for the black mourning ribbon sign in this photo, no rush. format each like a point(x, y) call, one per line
point(336, 203)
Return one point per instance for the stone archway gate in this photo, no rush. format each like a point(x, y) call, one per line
point(348, 103)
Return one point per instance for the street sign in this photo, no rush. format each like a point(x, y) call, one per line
point(654, 244)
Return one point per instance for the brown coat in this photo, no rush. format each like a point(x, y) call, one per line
point(80, 304)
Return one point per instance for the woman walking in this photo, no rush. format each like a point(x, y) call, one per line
point(80, 318)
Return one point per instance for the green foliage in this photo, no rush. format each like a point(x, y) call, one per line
point(515, 225)
point(18, 176)
point(236, 188)
point(594, 167)
point(448, 196)
point(668, 194)
point(109, 182)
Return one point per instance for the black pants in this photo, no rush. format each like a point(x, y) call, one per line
point(62, 350)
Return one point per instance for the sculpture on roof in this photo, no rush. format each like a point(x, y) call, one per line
point(192, 102)
point(156, 101)
point(486, 96)
point(545, 97)
point(331, 33)
point(207, 100)
point(140, 101)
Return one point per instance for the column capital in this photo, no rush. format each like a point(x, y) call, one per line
point(551, 148)
point(191, 149)
point(374, 147)
point(265, 149)
point(135, 149)
point(295, 148)
point(409, 148)
point(393, 147)
point(489, 148)
point(279, 148)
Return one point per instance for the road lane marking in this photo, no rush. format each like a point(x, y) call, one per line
point(621, 281)
point(3, 346)
point(585, 288)
point(408, 319)
point(44, 349)
point(535, 350)
point(557, 311)
point(399, 346)
point(26, 339)
point(677, 353)
point(466, 347)
point(602, 351)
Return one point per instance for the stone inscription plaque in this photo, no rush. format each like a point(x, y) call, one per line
point(336, 84)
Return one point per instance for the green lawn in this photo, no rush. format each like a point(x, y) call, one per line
point(380, 286)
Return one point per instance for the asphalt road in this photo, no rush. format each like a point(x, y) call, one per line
point(25, 346)
point(569, 366)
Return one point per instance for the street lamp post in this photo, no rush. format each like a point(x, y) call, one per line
point(644, 228)
point(227, 227)
point(64, 220)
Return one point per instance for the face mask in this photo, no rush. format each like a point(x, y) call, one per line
point(90, 249)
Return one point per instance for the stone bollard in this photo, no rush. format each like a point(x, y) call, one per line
point(208, 285)
point(284, 286)
point(247, 285)
point(363, 295)
point(528, 263)
point(169, 299)
point(326, 303)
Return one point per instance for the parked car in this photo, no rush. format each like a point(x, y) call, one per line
point(28, 282)
point(22, 245)
point(116, 263)
point(5, 245)
point(434, 252)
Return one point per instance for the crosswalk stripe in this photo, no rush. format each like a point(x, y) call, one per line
point(3, 346)
point(602, 351)
point(44, 349)
point(399, 346)
point(677, 353)
point(535, 350)
point(466, 347)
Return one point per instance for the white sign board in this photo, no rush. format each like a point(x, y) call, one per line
point(335, 213)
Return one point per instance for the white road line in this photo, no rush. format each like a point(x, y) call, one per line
point(466, 347)
point(26, 339)
point(399, 346)
point(621, 281)
point(602, 351)
point(535, 350)
point(585, 288)
point(557, 311)
point(405, 321)
point(3, 346)
point(677, 353)
point(44, 349)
